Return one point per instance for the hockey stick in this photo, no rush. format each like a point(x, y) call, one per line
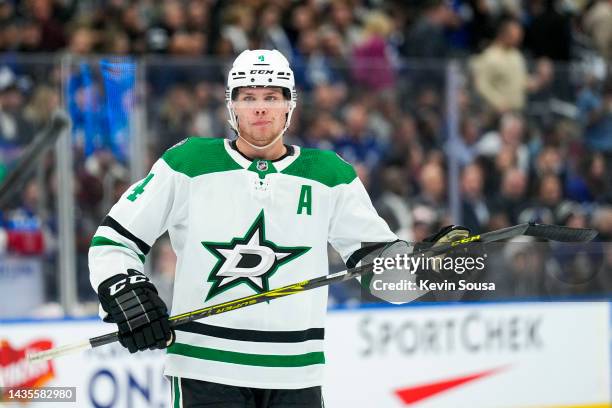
point(549, 232)
point(44, 140)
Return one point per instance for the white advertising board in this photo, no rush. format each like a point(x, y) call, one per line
point(107, 376)
point(488, 355)
point(493, 355)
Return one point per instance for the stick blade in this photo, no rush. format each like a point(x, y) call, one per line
point(504, 233)
point(560, 233)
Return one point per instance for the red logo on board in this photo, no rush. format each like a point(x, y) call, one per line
point(17, 372)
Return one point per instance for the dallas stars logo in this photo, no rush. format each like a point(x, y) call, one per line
point(251, 259)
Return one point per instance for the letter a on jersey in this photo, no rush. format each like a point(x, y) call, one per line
point(251, 259)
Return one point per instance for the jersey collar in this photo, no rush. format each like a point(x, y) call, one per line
point(279, 164)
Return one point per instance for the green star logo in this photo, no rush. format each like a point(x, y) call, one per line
point(261, 58)
point(251, 260)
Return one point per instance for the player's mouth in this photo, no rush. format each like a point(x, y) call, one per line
point(261, 123)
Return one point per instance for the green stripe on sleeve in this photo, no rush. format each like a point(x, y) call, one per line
point(103, 241)
point(260, 360)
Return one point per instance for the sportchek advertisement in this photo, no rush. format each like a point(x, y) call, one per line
point(491, 355)
point(488, 355)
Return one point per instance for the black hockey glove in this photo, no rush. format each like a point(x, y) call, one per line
point(132, 302)
point(448, 266)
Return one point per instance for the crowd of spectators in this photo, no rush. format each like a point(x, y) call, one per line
point(534, 99)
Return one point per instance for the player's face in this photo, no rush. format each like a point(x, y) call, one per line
point(261, 114)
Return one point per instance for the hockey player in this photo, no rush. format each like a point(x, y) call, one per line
point(243, 216)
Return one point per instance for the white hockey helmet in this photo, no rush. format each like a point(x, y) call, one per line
point(254, 68)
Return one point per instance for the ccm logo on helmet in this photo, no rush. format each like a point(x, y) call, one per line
point(261, 71)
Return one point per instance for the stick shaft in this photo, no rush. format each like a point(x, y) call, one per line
point(497, 235)
point(59, 351)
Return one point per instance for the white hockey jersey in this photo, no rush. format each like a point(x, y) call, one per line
point(241, 227)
